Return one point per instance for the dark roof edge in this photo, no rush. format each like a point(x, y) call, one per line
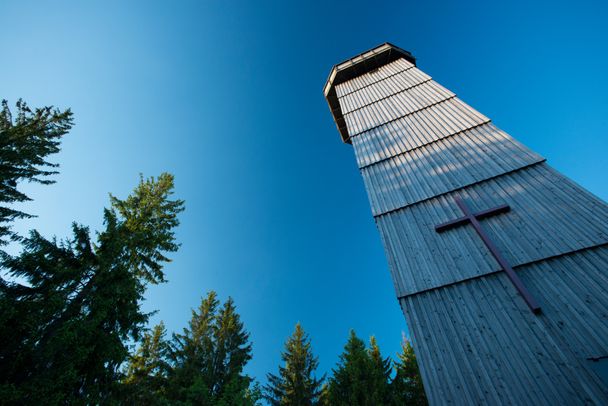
point(359, 65)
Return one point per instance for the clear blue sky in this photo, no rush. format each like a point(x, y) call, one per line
point(228, 97)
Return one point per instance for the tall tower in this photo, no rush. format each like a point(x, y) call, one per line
point(500, 263)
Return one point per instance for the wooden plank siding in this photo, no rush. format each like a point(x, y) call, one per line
point(415, 130)
point(418, 146)
point(545, 220)
point(405, 80)
point(478, 343)
point(382, 73)
point(448, 164)
point(396, 106)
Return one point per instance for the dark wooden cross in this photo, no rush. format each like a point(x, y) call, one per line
point(473, 218)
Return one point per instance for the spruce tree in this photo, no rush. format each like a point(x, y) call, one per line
point(380, 371)
point(209, 357)
point(191, 355)
point(353, 380)
point(407, 385)
point(296, 383)
point(64, 330)
point(146, 375)
point(26, 141)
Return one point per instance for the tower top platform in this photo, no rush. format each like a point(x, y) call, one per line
point(363, 63)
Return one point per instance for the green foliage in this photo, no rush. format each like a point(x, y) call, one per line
point(65, 328)
point(209, 357)
point(25, 143)
point(380, 374)
point(355, 380)
point(147, 370)
point(363, 377)
point(407, 385)
point(149, 217)
point(296, 384)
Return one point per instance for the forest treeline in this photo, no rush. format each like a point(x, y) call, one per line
point(72, 330)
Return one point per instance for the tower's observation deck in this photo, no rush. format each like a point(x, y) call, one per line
point(361, 64)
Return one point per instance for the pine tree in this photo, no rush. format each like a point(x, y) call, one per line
point(296, 384)
point(407, 385)
point(64, 330)
point(353, 380)
point(209, 358)
point(145, 380)
point(25, 143)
